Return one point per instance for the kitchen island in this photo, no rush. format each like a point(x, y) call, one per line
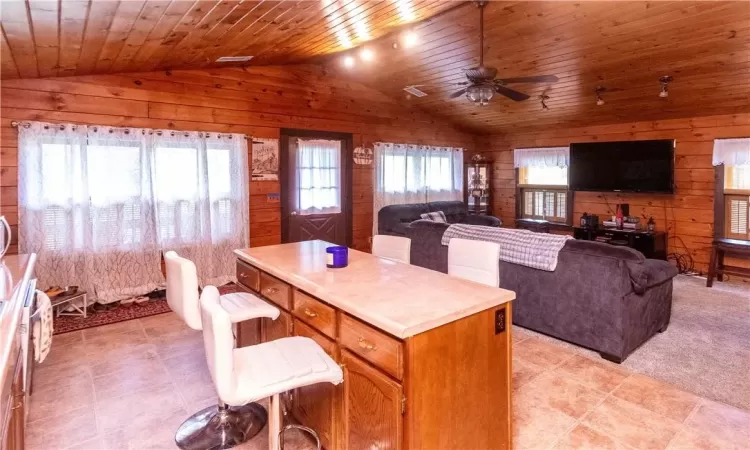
point(426, 356)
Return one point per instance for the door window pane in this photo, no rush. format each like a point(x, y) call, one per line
point(318, 176)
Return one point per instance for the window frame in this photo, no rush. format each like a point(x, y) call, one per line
point(722, 205)
point(523, 189)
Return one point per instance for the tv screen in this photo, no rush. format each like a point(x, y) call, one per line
point(628, 166)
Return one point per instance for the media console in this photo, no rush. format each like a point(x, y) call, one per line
point(652, 245)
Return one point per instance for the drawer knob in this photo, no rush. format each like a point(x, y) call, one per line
point(366, 345)
point(243, 275)
point(271, 291)
point(309, 313)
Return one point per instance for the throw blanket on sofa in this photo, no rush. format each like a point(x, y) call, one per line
point(524, 247)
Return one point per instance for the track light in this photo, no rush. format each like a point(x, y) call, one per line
point(599, 100)
point(348, 62)
point(664, 83)
point(366, 55)
point(410, 39)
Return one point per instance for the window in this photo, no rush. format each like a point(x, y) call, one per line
point(542, 184)
point(318, 176)
point(416, 174)
point(736, 202)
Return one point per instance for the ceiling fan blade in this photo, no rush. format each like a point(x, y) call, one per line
point(458, 93)
point(511, 94)
point(537, 79)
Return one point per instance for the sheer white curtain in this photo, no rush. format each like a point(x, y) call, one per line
point(415, 174)
point(732, 152)
point(318, 177)
point(541, 157)
point(98, 205)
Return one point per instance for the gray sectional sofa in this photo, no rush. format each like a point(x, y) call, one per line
point(394, 219)
point(606, 298)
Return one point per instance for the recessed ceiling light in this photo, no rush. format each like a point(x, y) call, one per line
point(367, 55)
point(348, 62)
point(234, 59)
point(410, 39)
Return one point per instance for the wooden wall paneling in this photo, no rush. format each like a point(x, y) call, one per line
point(223, 100)
point(688, 215)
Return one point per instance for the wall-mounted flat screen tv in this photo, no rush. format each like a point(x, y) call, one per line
point(628, 166)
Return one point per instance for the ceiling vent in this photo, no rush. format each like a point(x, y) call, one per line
point(234, 59)
point(414, 91)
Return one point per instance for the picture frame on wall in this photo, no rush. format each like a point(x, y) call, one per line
point(265, 157)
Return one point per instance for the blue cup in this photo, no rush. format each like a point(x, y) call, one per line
point(337, 257)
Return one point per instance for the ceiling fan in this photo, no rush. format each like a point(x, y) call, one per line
point(483, 85)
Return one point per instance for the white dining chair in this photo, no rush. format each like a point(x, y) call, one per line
point(474, 260)
point(248, 374)
point(219, 425)
point(395, 248)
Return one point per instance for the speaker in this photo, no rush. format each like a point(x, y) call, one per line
point(625, 209)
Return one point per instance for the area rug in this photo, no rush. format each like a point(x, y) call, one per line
point(120, 313)
point(706, 349)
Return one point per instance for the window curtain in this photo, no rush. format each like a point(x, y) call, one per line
point(541, 157)
point(731, 152)
point(99, 205)
point(319, 176)
point(415, 174)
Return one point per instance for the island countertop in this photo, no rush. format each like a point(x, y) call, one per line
point(401, 299)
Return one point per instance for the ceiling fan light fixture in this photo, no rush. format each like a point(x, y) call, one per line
point(480, 94)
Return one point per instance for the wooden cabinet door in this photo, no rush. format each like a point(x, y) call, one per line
point(314, 405)
point(372, 412)
point(277, 329)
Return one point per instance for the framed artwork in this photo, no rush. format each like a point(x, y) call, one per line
point(265, 160)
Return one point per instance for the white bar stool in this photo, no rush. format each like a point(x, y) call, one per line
point(395, 248)
point(216, 426)
point(474, 260)
point(248, 374)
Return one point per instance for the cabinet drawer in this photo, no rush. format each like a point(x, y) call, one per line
point(302, 329)
point(315, 313)
point(248, 276)
point(275, 290)
point(372, 345)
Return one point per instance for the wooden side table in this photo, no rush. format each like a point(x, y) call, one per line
point(721, 248)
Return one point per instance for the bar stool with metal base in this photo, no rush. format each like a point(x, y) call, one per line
point(248, 374)
point(217, 426)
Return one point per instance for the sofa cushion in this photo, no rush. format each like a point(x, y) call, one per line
point(455, 211)
point(393, 219)
point(437, 216)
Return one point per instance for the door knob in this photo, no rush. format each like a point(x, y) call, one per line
point(294, 213)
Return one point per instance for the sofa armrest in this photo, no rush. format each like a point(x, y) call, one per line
point(650, 273)
point(487, 221)
point(426, 244)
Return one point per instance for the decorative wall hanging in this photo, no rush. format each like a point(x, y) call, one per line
point(363, 156)
point(265, 160)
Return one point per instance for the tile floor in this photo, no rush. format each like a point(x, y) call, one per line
point(130, 385)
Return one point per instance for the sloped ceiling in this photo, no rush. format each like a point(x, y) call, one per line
point(622, 46)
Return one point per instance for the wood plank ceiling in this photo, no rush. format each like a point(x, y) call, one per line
point(623, 46)
point(48, 38)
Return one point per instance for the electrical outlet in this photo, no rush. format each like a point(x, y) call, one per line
point(499, 321)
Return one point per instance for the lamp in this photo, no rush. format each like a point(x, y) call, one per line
point(480, 94)
point(664, 83)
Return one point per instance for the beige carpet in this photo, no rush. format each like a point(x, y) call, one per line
point(706, 349)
